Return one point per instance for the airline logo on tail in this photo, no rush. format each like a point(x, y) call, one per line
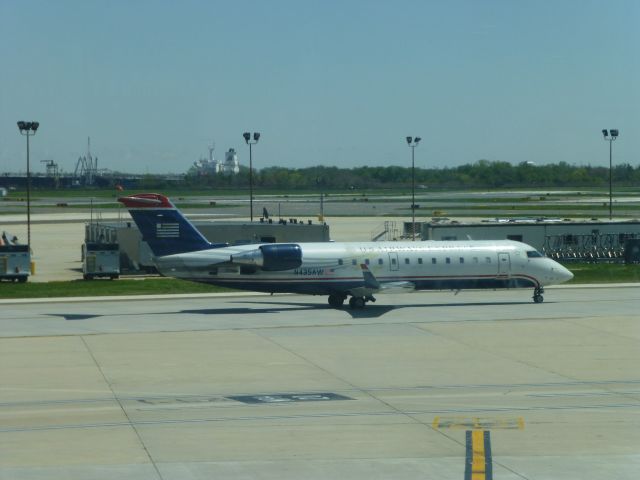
point(168, 230)
point(163, 227)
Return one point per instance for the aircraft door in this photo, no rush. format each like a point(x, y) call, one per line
point(394, 265)
point(504, 265)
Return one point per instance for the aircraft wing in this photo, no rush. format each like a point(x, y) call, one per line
point(371, 285)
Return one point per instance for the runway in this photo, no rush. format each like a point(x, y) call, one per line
point(279, 387)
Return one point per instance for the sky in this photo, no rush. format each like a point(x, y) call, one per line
point(325, 82)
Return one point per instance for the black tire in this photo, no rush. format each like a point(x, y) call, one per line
point(356, 303)
point(336, 301)
point(538, 298)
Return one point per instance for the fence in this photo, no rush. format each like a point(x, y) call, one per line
point(607, 247)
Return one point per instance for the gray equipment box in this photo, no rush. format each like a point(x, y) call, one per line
point(15, 263)
point(100, 260)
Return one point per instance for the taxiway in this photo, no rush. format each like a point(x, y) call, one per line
point(273, 387)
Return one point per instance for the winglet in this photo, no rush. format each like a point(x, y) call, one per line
point(146, 200)
point(370, 281)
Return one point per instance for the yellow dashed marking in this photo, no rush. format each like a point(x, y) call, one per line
point(478, 423)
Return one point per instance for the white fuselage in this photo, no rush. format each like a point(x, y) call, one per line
point(338, 266)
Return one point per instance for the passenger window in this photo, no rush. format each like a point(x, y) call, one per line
point(448, 260)
point(434, 261)
point(366, 261)
point(354, 262)
point(461, 259)
point(475, 259)
point(420, 260)
point(393, 261)
point(406, 260)
point(380, 262)
point(487, 259)
point(340, 262)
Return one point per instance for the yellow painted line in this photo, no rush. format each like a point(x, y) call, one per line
point(520, 423)
point(478, 462)
point(436, 423)
point(478, 423)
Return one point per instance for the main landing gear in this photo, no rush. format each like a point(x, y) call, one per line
point(336, 300)
point(537, 294)
point(355, 303)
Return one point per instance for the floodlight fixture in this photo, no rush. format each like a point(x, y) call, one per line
point(409, 140)
point(247, 139)
point(610, 137)
point(28, 129)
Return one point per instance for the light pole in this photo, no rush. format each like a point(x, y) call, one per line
point(413, 143)
point(247, 138)
point(319, 184)
point(28, 129)
point(610, 137)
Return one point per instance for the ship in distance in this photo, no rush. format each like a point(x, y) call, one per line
point(339, 270)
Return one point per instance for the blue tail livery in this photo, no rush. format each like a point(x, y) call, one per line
point(163, 226)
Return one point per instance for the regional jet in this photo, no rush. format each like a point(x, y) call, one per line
point(340, 270)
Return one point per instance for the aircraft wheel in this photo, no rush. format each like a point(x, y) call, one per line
point(336, 301)
point(356, 303)
point(537, 294)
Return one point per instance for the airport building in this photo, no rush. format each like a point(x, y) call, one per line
point(563, 239)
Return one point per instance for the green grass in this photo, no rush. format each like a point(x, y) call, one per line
point(82, 288)
point(603, 273)
point(175, 193)
point(585, 273)
point(115, 205)
point(546, 208)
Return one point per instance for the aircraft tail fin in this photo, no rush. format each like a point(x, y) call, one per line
point(163, 226)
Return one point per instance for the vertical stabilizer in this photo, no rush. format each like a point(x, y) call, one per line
point(163, 226)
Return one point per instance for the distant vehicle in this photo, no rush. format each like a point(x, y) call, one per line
point(100, 260)
point(15, 259)
point(337, 269)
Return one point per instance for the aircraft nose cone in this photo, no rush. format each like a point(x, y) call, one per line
point(565, 275)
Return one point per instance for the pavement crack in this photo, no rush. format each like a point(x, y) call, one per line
point(124, 411)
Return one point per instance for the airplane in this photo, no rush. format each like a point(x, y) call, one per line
point(337, 269)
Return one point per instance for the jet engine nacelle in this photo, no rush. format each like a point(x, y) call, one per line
point(272, 258)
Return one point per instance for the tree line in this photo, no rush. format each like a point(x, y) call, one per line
point(481, 174)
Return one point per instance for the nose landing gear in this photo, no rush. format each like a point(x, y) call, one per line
point(537, 295)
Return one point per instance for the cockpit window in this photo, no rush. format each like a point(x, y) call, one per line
point(534, 254)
